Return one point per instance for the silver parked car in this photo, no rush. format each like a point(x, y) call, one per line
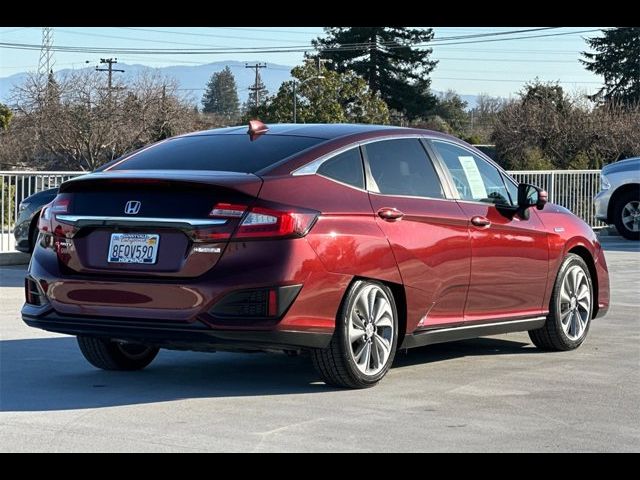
point(618, 201)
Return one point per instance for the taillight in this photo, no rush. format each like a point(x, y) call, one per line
point(48, 222)
point(44, 222)
point(262, 222)
point(60, 204)
point(266, 222)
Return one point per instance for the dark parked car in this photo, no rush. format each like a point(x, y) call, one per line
point(26, 231)
point(345, 241)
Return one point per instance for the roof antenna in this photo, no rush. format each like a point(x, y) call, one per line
point(256, 128)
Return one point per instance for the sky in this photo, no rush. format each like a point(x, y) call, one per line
point(491, 64)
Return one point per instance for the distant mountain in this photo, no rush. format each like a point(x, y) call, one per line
point(472, 100)
point(193, 79)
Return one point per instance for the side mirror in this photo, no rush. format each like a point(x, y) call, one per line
point(530, 196)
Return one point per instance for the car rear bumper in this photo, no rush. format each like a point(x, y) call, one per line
point(166, 334)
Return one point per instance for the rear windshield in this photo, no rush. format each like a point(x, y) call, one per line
point(228, 153)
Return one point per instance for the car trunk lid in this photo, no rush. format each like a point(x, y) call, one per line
point(135, 211)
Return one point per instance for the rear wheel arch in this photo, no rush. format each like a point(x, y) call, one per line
point(585, 254)
point(621, 190)
point(364, 344)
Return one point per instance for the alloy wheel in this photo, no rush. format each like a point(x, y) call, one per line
point(371, 330)
point(575, 303)
point(631, 216)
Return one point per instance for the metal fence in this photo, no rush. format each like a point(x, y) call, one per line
point(573, 189)
point(15, 187)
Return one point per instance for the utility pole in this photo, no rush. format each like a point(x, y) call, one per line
point(320, 63)
point(110, 69)
point(256, 86)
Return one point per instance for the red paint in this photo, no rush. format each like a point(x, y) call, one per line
point(509, 266)
point(455, 262)
point(431, 247)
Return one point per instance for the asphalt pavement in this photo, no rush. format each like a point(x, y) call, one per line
point(489, 394)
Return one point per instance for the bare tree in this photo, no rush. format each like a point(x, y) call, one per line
point(77, 122)
point(549, 129)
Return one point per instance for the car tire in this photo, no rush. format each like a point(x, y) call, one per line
point(570, 309)
point(364, 343)
point(628, 206)
point(110, 355)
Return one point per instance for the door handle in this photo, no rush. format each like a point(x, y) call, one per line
point(390, 214)
point(479, 221)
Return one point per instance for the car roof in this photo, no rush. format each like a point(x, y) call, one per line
point(327, 131)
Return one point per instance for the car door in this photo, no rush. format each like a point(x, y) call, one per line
point(509, 253)
point(427, 232)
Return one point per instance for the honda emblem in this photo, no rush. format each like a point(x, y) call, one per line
point(132, 207)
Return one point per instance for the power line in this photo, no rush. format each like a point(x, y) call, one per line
point(495, 34)
point(528, 60)
point(505, 80)
point(137, 39)
point(279, 49)
point(524, 37)
point(269, 30)
point(210, 35)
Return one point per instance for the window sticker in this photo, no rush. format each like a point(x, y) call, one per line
point(474, 178)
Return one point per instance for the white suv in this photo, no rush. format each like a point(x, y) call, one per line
point(618, 201)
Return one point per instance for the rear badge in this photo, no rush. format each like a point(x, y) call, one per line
point(206, 249)
point(558, 229)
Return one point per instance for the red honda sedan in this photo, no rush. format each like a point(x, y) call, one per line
point(345, 241)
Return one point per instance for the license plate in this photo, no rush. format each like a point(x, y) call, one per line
point(133, 248)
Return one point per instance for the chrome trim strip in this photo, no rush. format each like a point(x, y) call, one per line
point(194, 222)
point(440, 335)
point(413, 196)
point(483, 325)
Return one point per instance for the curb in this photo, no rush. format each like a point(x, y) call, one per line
point(13, 258)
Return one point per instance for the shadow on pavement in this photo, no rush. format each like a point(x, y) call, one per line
point(465, 348)
point(50, 374)
point(619, 244)
point(12, 276)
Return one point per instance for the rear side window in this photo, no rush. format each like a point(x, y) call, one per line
point(402, 167)
point(228, 153)
point(346, 167)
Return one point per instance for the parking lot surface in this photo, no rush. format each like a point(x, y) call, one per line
point(490, 394)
